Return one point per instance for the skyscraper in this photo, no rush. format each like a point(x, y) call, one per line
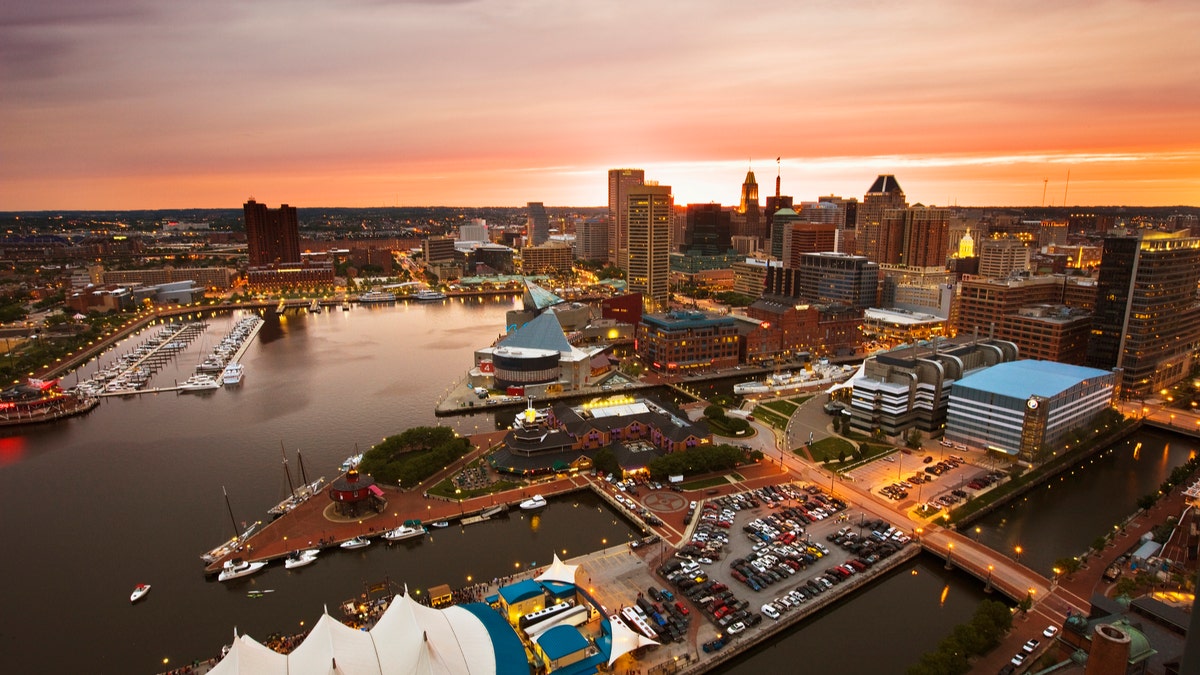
point(648, 215)
point(1147, 318)
point(537, 227)
point(750, 220)
point(272, 235)
point(707, 230)
point(620, 181)
point(925, 237)
point(884, 194)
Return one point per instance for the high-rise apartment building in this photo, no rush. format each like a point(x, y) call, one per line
point(924, 241)
point(707, 230)
point(620, 182)
point(800, 238)
point(648, 265)
point(884, 195)
point(775, 203)
point(476, 230)
point(1147, 318)
point(537, 226)
point(837, 278)
point(272, 235)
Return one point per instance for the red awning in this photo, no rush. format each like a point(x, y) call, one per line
point(376, 491)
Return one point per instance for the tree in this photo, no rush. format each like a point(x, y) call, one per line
point(842, 455)
point(914, 438)
point(714, 412)
point(606, 462)
point(1146, 502)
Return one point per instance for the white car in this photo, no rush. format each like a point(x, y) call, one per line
point(1050, 631)
point(770, 612)
point(735, 628)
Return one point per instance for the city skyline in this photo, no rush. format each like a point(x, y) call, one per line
point(131, 104)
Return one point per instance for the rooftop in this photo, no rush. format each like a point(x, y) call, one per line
point(1022, 379)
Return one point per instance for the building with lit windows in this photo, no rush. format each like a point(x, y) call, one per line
point(1027, 408)
point(648, 219)
point(685, 342)
point(620, 182)
point(272, 235)
point(1147, 318)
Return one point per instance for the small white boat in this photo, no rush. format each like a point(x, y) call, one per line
point(351, 462)
point(300, 558)
point(233, 373)
point(139, 592)
point(234, 569)
point(404, 532)
point(357, 542)
point(440, 523)
point(533, 503)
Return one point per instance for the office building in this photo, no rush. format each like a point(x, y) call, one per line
point(884, 195)
point(476, 230)
point(1027, 408)
point(272, 235)
point(828, 278)
point(924, 237)
point(537, 224)
point(707, 231)
point(801, 237)
point(620, 181)
point(549, 258)
point(1147, 318)
point(688, 342)
point(775, 204)
point(648, 265)
point(1002, 256)
point(591, 239)
point(749, 216)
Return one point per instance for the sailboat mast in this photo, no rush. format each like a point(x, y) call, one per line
point(303, 476)
point(291, 489)
point(232, 520)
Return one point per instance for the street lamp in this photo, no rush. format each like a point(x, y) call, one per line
point(987, 587)
point(1018, 549)
point(949, 554)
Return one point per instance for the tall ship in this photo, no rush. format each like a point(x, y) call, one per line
point(377, 296)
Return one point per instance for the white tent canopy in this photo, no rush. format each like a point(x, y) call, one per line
point(247, 655)
point(625, 640)
point(559, 571)
point(409, 639)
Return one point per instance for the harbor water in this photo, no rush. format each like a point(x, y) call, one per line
point(133, 493)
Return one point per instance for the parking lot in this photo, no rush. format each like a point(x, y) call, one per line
point(938, 480)
point(767, 552)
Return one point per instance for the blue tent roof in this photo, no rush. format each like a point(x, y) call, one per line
point(1022, 379)
point(542, 332)
point(520, 591)
point(507, 647)
point(561, 641)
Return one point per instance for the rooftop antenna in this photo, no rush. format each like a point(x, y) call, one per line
point(778, 172)
point(1065, 188)
point(1045, 184)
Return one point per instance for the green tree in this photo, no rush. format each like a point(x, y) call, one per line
point(914, 438)
point(606, 462)
point(1146, 502)
point(714, 412)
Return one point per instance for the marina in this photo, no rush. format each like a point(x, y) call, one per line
point(234, 440)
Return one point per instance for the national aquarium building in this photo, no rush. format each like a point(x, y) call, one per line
point(1027, 408)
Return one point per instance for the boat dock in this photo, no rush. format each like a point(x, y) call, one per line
point(168, 345)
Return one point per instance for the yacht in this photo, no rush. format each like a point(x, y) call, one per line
point(377, 296)
point(351, 462)
point(429, 295)
point(199, 382)
point(300, 558)
point(234, 569)
point(357, 542)
point(533, 503)
point(233, 373)
point(404, 532)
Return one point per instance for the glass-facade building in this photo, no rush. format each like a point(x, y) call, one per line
point(1027, 408)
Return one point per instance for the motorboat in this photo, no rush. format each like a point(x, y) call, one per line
point(300, 558)
point(429, 295)
point(533, 503)
point(234, 569)
point(404, 532)
point(233, 373)
point(440, 523)
point(139, 592)
point(199, 382)
point(357, 542)
point(351, 462)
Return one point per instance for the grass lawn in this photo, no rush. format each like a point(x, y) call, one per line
point(828, 448)
point(704, 483)
point(782, 406)
point(446, 489)
point(771, 417)
point(800, 400)
point(718, 427)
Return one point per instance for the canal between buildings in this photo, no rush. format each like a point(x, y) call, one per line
point(132, 493)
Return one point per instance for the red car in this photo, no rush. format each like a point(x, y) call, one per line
point(681, 607)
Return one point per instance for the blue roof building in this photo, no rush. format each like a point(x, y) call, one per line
point(1027, 408)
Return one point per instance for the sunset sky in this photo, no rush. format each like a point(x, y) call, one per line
point(121, 104)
